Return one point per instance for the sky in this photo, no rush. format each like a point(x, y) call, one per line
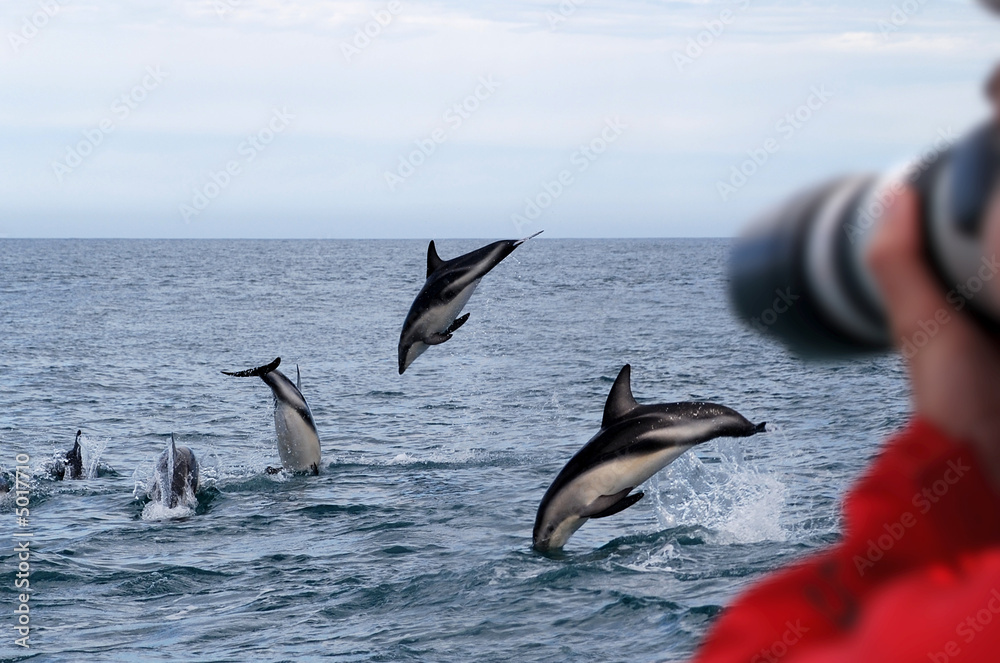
point(485, 119)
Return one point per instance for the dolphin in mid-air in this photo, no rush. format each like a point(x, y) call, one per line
point(176, 477)
point(298, 441)
point(634, 443)
point(433, 317)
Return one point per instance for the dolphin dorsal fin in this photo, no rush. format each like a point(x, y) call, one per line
point(620, 400)
point(298, 379)
point(433, 259)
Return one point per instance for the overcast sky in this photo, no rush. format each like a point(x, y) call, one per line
point(595, 118)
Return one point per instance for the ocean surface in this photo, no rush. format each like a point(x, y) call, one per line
point(414, 542)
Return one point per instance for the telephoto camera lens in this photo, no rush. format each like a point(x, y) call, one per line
point(799, 273)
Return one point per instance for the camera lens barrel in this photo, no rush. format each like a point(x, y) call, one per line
point(956, 193)
point(798, 273)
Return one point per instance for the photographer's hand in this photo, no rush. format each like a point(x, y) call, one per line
point(955, 376)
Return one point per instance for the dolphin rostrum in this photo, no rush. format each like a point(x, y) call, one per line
point(298, 441)
point(634, 443)
point(433, 317)
point(176, 477)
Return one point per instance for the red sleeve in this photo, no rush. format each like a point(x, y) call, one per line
point(921, 544)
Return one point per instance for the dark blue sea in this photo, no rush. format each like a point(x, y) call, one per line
point(414, 542)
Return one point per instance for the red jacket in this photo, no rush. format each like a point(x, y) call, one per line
point(916, 578)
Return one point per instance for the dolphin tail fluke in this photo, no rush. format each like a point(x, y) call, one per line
point(525, 239)
point(761, 427)
point(255, 372)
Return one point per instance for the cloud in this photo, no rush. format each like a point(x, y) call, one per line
point(229, 68)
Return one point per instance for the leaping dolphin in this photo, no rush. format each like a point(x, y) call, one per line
point(634, 443)
point(70, 464)
point(176, 477)
point(298, 441)
point(433, 317)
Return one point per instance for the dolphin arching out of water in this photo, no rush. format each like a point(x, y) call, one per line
point(74, 459)
point(176, 478)
point(298, 441)
point(634, 443)
point(69, 465)
point(433, 317)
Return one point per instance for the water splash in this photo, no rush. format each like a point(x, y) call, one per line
point(91, 452)
point(185, 508)
point(730, 498)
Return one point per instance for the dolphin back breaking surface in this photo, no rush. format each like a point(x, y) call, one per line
point(634, 443)
point(175, 481)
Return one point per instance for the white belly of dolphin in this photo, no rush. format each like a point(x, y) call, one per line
point(439, 318)
point(298, 444)
point(627, 472)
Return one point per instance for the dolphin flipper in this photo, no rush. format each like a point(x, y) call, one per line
point(458, 323)
point(255, 372)
point(437, 339)
point(609, 505)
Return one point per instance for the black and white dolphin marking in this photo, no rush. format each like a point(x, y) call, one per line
point(433, 317)
point(70, 466)
point(176, 479)
point(298, 441)
point(634, 443)
point(74, 459)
